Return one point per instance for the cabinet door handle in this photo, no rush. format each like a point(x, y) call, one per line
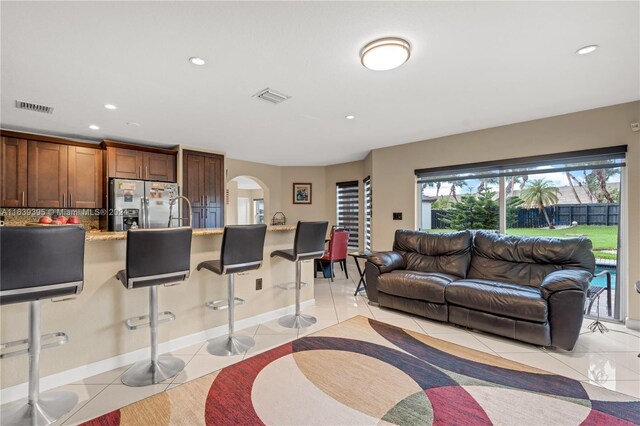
point(64, 200)
point(206, 200)
point(22, 198)
point(141, 176)
point(147, 168)
point(70, 203)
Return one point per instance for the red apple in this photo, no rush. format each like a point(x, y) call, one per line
point(73, 220)
point(45, 219)
point(62, 219)
point(56, 222)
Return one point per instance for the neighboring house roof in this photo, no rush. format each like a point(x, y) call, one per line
point(566, 195)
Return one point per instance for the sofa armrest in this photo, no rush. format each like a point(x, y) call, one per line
point(387, 261)
point(566, 279)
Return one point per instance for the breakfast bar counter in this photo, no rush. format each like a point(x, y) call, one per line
point(94, 319)
point(122, 235)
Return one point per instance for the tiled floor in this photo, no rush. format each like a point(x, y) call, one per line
point(608, 360)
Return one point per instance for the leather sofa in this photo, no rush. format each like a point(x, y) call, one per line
point(527, 288)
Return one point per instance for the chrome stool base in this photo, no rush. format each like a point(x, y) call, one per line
point(230, 345)
point(297, 321)
point(144, 373)
point(49, 408)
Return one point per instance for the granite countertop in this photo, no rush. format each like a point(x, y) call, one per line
point(113, 236)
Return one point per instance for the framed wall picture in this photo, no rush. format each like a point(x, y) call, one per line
point(301, 193)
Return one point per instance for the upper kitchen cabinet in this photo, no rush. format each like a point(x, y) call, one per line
point(139, 162)
point(48, 168)
point(49, 172)
point(85, 177)
point(64, 176)
point(13, 172)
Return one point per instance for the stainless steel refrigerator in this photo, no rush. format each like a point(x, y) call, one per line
point(142, 204)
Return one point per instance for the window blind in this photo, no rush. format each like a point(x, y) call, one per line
point(368, 206)
point(348, 209)
point(600, 158)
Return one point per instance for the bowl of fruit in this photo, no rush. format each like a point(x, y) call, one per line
point(59, 220)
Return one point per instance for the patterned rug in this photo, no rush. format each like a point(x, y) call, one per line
point(366, 372)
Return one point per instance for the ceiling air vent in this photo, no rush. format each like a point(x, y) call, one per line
point(34, 107)
point(271, 96)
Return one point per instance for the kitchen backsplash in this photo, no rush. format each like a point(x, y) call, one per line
point(22, 216)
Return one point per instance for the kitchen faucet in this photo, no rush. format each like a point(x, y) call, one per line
point(174, 200)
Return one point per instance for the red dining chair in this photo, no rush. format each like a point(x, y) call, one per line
point(337, 251)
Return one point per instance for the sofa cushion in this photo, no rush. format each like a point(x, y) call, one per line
point(526, 260)
point(427, 286)
point(499, 298)
point(431, 252)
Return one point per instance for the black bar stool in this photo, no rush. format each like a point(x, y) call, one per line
point(308, 244)
point(242, 247)
point(155, 257)
point(39, 263)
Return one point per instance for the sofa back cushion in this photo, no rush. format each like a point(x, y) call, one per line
point(448, 253)
point(527, 260)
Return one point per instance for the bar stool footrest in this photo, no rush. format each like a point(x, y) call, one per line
point(218, 305)
point(60, 339)
point(291, 285)
point(144, 320)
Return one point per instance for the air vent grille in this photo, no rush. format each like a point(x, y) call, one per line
point(34, 107)
point(271, 96)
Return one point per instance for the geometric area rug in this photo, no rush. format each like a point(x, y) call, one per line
point(366, 372)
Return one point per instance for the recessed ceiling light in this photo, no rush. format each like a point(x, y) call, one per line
point(94, 127)
point(587, 49)
point(110, 106)
point(133, 123)
point(196, 60)
point(349, 117)
point(385, 54)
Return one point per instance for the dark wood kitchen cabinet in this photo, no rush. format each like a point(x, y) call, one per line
point(203, 185)
point(64, 176)
point(13, 172)
point(85, 177)
point(48, 167)
point(137, 162)
point(49, 172)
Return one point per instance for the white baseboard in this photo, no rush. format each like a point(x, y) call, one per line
point(633, 324)
point(79, 373)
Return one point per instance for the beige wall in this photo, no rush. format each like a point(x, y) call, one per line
point(393, 178)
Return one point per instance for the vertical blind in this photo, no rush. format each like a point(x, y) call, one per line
point(348, 214)
point(367, 213)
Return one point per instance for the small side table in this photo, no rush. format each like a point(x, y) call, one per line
point(360, 255)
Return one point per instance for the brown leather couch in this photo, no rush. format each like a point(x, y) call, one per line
point(527, 288)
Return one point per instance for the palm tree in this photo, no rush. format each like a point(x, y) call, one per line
point(538, 194)
point(456, 183)
point(571, 178)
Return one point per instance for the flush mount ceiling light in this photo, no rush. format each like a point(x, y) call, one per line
point(587, 49)
point(110, 106)
point(94, 127)
point(196, 60)
point(385, 54)
point(349, 117)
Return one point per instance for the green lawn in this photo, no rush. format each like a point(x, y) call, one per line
point(602, 237)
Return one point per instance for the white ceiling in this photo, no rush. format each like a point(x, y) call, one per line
point(474, 65)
